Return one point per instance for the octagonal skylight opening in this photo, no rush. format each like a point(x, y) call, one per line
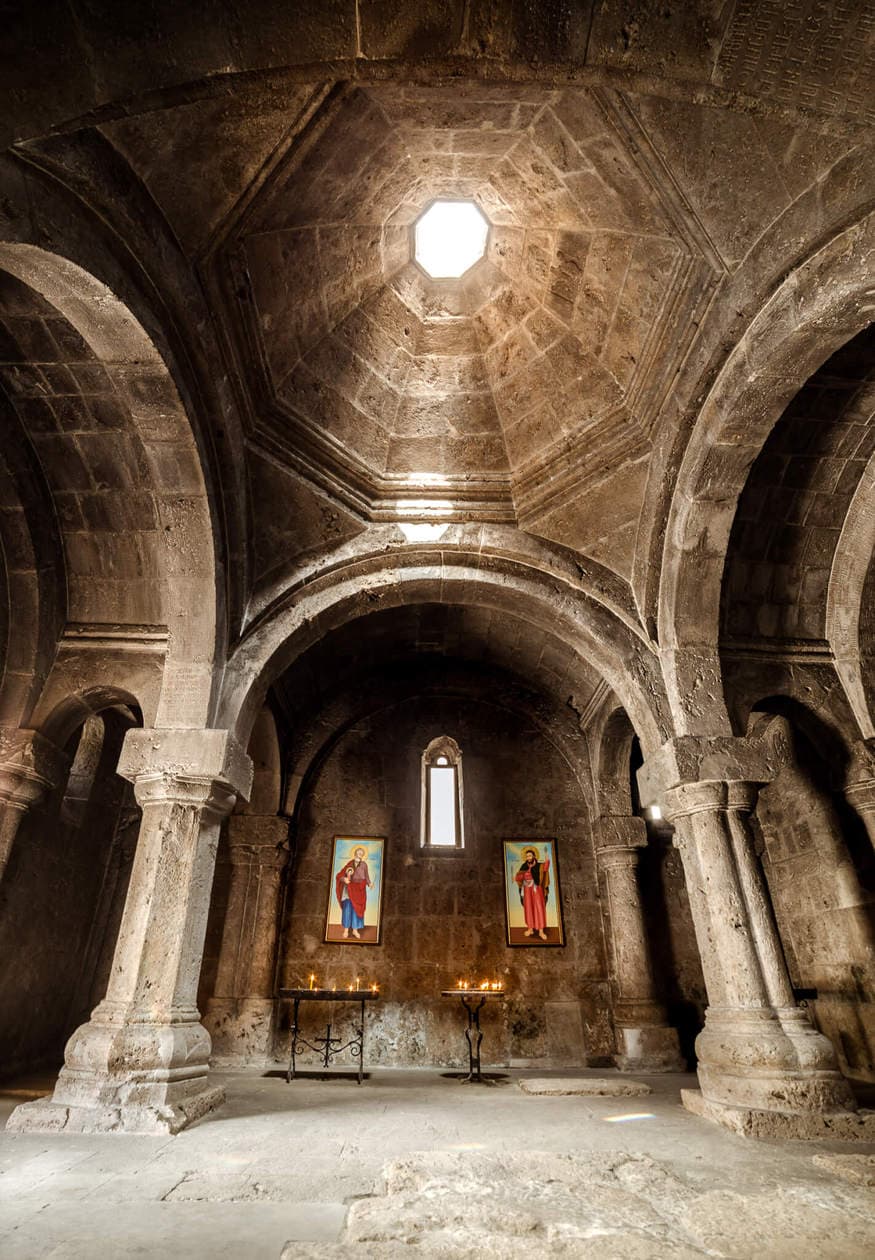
point(449, 238)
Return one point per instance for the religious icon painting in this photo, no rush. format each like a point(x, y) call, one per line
point(531, 893)
point(355, 894)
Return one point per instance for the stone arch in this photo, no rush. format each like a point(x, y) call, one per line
point(816, 309)
point(266, 795)
point(77, 708)
point(124, 464)
point(443, 575)
point(32, 585)
point(614, 739)
point(844, 600)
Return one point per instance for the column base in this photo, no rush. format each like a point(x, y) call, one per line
point(652, 1048)
point(127, 1076)
point(241, 1029)
point(769, 1060)
point(47, 1116)
point(813, 1126)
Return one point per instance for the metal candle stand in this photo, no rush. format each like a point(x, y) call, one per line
point(327, 1047)
point(473, 1031)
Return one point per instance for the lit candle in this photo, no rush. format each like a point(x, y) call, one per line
point(312, 981)
point(357, 983)
point(334, 988)
point(349, 990)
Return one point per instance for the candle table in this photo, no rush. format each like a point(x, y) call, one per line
point(327, 1047)
point(473, 1001)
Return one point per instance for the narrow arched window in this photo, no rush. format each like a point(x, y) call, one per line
point(442, 795)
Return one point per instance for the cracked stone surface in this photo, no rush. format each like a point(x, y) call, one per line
point(591, 1085)
point(616, 1205)
point(331, 1168)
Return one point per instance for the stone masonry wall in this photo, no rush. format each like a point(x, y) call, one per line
point(443, 914)
point(824, 914)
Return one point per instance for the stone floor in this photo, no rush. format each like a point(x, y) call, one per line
point(471, 1170)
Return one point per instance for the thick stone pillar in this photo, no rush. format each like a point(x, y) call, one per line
point(645, 1042)
point(240, 1014)
point(30, 768)
point(140, 1064)
point(763, 1068)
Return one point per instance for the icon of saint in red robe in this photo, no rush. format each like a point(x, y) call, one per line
point(351, 886)
point(533, 879)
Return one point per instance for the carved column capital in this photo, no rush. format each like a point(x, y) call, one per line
point(204, 769)
point(859, 780)
point(691, 773)
point(612, 832)
point(31, 766)
point(213, 798)
point(710, 796)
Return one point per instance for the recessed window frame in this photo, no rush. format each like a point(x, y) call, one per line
point(449, 280)
point(442, 753)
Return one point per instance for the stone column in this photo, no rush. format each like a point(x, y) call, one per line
point(645, 1042)
point(140, 1064)
point(859, 784)
point(240, 1014)
point(763, 1068)
point(30, 768)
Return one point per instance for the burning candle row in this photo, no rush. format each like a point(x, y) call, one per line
point(350, 988)
point(485, 986)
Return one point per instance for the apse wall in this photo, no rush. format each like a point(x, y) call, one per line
point(443, 913)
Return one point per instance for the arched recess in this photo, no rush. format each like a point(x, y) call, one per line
point(668, 924)
point(613, 738)
point(443, 909)
point(790, 531)
point(113, 440)
point(426, 659)
point(821, 876)
point(823, 304)
point(64, 892)
point(448, 576)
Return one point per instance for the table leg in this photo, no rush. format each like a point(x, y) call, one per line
point(474, 1036)
point(327, 1057)
point(293, 1037)
point(362, 1045)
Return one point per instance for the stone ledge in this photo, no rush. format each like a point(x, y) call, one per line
point(806, 1126)
point(589, 1088)
point(859, 1170)
point(45, 1116)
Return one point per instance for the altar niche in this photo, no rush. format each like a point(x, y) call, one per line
point(443, 908)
